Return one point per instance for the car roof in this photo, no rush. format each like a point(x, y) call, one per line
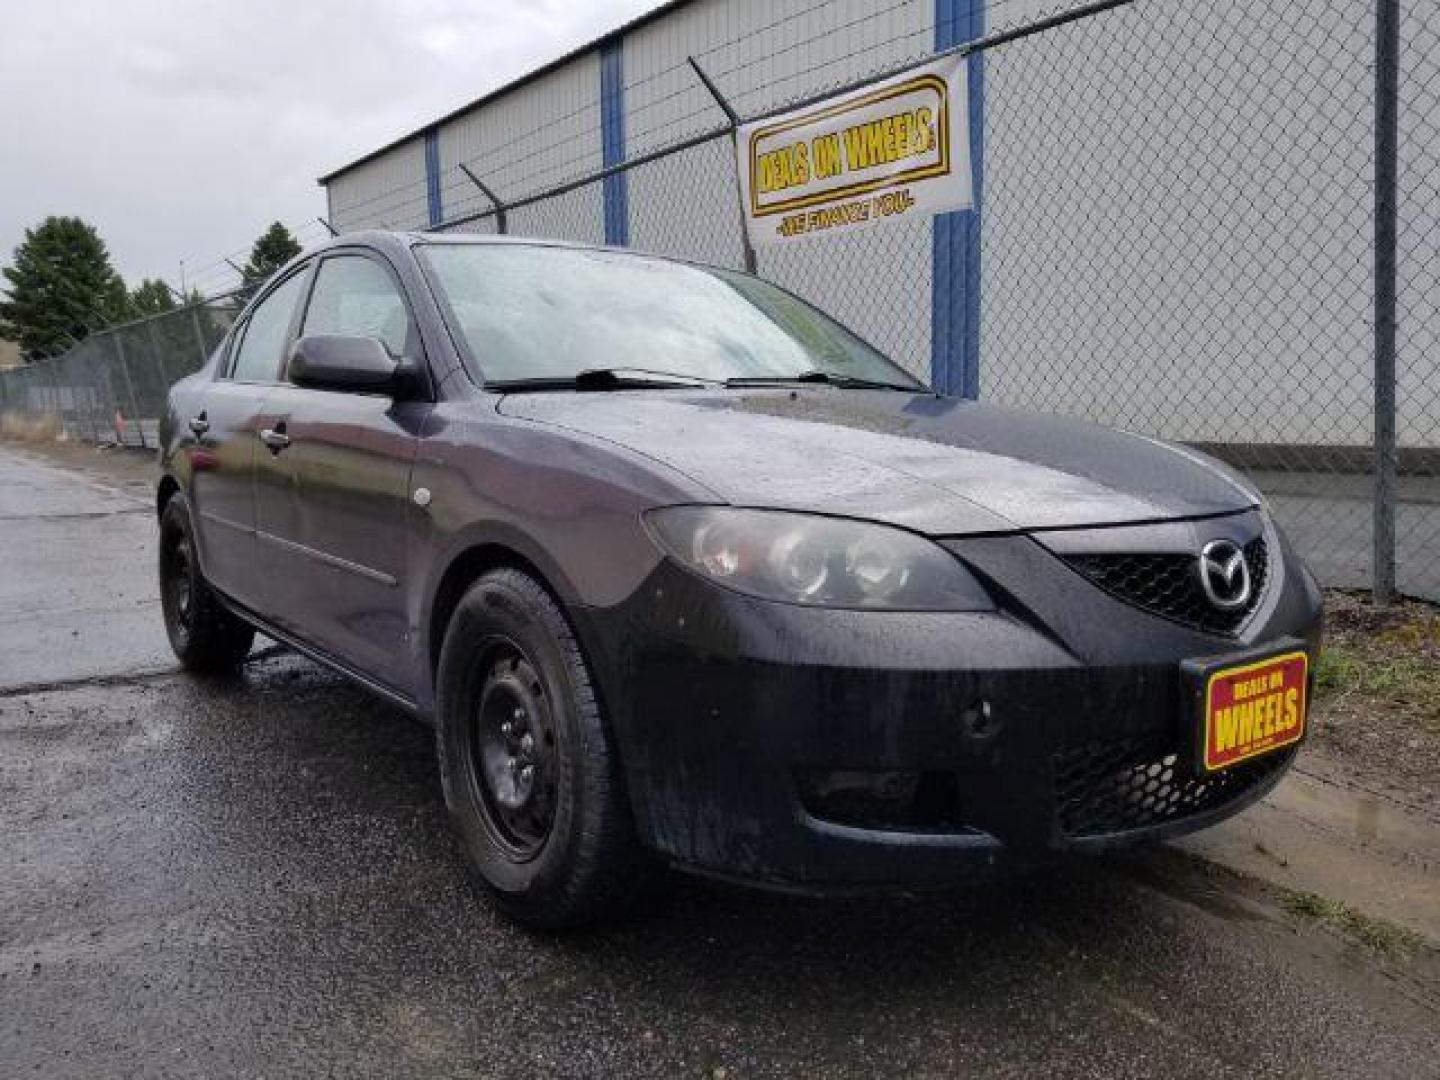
point(397, 243)
point(390, 238)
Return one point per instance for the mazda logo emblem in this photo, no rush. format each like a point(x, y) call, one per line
point(1224, 575)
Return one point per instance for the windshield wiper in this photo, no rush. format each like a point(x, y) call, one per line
point(849, 382)
point(616, 378)
point(636, 378)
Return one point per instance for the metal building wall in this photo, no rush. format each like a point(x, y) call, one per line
point(1148, 239)
point(536, 136)
point(761, 56)
point(386, 192)
point(684, 204)
point(1114, 281)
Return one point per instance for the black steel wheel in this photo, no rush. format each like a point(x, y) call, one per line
point(531, 777)
point(513, 752)
point(177, 580)
point(204, 635)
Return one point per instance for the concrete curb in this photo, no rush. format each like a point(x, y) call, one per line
point(1377, 853)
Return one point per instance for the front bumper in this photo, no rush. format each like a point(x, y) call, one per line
point(822, 749)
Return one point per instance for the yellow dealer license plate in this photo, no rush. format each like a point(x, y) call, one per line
point(1252, 708)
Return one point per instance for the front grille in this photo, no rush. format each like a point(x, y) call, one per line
point(1106, 787)
point(1168, 585)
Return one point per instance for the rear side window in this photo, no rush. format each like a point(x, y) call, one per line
point(354, 295)
point(258, 359)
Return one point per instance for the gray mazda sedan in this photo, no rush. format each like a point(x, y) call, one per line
point(684, 572)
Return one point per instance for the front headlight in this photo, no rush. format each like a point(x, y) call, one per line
point(820, 561)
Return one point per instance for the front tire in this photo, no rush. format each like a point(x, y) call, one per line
point(204, 635)
point(531, 779)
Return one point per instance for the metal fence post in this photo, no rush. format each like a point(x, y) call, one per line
point(130, 389)
point(501, 227)
point(1387, 142)
point(93, 390)
point(159, 352)
point(747, 250)
point(49, 366)
point(199, 335)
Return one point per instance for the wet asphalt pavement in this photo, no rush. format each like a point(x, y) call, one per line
point(253, 877)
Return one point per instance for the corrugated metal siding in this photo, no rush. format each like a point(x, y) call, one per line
point(387, 192)
point(762, 55)
point(540, 135)
point(1128, 201)
point(683, 205)
point(1148, 239)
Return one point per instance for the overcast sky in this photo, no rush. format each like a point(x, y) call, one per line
point(180, 128)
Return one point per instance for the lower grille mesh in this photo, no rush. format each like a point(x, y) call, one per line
point(1111, 787)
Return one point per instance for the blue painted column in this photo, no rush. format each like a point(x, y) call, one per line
point(955, 244)
point(612, 141)
point(432, 177)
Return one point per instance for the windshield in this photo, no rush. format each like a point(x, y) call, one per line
point(535, 312)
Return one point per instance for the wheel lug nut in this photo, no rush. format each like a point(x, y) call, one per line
point(527, 773)
point(507, 729)
point(519, 714)
point(527, 742)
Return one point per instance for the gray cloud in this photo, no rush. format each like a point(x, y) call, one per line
point(181, 129)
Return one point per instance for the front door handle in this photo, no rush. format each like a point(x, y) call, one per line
point(275, 438)
point(199, 425)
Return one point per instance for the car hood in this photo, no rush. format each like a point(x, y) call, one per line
point(936, 465)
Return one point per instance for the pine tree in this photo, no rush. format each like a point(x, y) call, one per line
point(60, 287)
point(151, 297)
point(273, 250)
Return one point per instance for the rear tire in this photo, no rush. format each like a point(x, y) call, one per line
point(205, 636)
point(531, 779)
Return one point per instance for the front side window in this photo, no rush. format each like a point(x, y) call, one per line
point(354, 296)
point(258, 359)
point(529, 311)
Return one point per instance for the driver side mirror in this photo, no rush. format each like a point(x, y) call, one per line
point(345, 363)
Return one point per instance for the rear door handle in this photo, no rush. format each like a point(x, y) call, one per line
point(275, 438)
point(199, 425)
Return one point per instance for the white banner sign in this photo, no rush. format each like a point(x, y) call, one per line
point(890, 152)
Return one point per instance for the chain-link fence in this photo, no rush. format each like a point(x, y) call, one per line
point(1178, 240)
point(1417, 391)
point(111, 387)
point(1178, 236)
point(1181, 231)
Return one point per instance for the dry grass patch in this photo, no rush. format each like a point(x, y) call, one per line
point(1396, 942)
point(27, 427)
point(1378, 692)
point(1389, 657)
